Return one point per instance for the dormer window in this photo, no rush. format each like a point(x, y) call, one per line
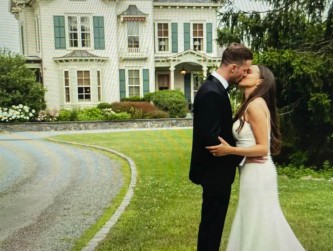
point(133, 36)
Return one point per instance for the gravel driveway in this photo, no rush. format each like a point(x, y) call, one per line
point(51, 193)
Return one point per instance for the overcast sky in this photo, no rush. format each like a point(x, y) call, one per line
point(9, 32)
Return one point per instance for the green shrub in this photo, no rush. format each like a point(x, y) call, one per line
point(68, 115)
point(172, 102)
point(139, 110)
point(134, 99)
point(89, 114)
point(103, 105)
point(119, 116)
point(148, 97)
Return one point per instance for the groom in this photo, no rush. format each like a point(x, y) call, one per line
point(212, 117)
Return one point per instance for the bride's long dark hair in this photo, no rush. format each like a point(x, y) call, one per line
point(267, 91)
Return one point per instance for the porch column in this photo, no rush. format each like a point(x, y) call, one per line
point(204, 71)
point(172, 78)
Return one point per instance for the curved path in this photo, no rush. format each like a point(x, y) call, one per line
point(51, 193)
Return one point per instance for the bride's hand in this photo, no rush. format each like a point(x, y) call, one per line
point(219, 150)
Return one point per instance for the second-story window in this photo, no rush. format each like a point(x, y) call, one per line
point(79, 31)
point(197, 37)
point(133, 36)
point(163, 36)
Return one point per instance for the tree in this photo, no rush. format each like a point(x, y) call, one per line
point(18, 84)
point(295, 39)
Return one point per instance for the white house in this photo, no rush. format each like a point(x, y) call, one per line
point(91, 51)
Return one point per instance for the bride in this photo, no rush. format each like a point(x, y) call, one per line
point(259, 223)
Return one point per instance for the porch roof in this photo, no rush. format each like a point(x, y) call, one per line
point(189, 56)
point(80, 56)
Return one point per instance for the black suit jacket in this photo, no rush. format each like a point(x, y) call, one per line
point(212, 117)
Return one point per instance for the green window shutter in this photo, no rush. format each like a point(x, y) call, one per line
point(187, 36)
point(122, 84)
point(145, 76)
point(99, 41)
point(174, 37)
point(59, 32)
point(209, 37)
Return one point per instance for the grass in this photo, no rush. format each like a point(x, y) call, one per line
point(165, 211)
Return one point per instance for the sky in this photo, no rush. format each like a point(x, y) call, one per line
point(9, 28)
point(9, 35)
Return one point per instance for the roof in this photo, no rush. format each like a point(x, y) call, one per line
point(132, 10)
point(79, 56)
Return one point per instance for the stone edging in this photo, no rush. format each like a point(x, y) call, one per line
point(96, 125)
point(101, 234)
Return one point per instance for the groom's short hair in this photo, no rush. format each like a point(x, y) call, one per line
point(236, 53)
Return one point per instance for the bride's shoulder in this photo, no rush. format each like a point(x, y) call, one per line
point(257, 106)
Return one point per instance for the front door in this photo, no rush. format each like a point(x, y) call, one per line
point(163, 81)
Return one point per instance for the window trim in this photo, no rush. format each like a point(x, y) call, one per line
point(157, 37)
point(140, 82)
point(90, 86)
point(91, 29)
point(203, 49)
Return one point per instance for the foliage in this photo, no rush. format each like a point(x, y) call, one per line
point(18, 84)
point(16, 113)
point(139, 110)
point(68, 115)
point(295, 41)
point(171, 101)
point(90, 114)
point(134, 99)
point(48, 115)
point(104, 106)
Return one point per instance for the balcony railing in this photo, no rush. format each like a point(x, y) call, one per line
point(133, 53)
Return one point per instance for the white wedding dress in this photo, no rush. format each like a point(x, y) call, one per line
point(259, 223)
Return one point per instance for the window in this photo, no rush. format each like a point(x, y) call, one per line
point(198, 37)
point(22, 39)
point(99, 88)
point(79, 32)
point(163, 37)
point(67, 88)
point(83, 86)
point(133, 83)
point(133, 36)
point(197, 81)
point(37, 34)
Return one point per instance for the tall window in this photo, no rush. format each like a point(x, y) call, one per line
point(67, 88)
point(99, 88)
point(22, 38)
point(83, 86)
point(133, 83)
point(79, 32)
point(133, 36)
point(163, 37)
point(198, 37)
point(37, 34)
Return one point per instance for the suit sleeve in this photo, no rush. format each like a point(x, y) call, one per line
point(207, 114)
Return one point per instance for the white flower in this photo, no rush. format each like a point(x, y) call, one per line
point(20, 106)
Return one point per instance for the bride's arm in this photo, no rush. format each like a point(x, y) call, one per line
point(257, 118)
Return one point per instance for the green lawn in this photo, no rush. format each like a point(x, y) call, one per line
point(165, 210)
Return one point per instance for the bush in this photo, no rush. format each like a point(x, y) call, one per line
point(103, 106)
point(139, 110)
point(89, 114)
point(48, 115)
point(68, 115)
point(18, 83)
point(134, 99)
point(171, 101)
point(19, 113)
